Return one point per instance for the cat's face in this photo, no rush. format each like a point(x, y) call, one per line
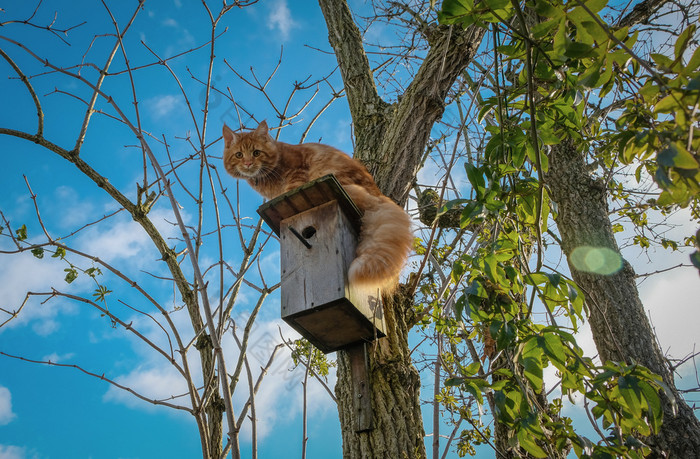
point(249, 154)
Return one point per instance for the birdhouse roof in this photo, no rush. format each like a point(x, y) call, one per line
point(306, 197)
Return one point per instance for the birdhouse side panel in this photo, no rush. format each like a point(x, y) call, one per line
point(315, 273)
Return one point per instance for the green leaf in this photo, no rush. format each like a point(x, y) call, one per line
point(661, 60)
point(474, 390)
point(100, 293)
point(589, 78)
point(497, 4)
point(532, 369)
point(459, 307)
point(541, 29)
point(693, 64)
point(661, 177)
point(683, 40)
point(527, 441)
point(655, 412)
point(470, 213)
point(449, 205)
point(554, 279)
point(452, 382)
point(38, 252)
point(695, 259)
point(630, 391)
point(694, 84)
point(592, 28)
point(560, 42)
point(473, 368)
point(71, 274)
point(456, 11)
point(552, 345)
point(21, 233)
point(457, 270)
point(577, 50)
point(476, 289)
point(59, 253)
point(476, 179)
point(579, 14)
point(675, 155)
point(547, 9)
point(668, 104)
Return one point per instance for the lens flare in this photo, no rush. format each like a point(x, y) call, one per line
point(598, 260)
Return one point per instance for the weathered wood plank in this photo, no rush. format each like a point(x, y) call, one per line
point(362, 394)
point(308, 196)
point(318, 226)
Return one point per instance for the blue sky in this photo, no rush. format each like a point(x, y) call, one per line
point(57, 412)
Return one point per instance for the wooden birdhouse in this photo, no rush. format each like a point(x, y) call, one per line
point(318, 225)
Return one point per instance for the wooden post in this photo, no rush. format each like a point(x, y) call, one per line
point(362, 398)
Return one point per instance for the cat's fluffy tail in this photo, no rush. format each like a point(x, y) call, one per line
point(385, 242)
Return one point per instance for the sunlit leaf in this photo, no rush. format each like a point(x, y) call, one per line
point(21, 233)
point(71, 275)
point(683, 40)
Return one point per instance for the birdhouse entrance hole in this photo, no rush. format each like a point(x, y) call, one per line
point(308, 232)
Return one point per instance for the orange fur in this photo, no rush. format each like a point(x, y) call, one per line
point(273, 168)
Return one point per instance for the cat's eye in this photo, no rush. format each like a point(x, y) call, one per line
point(239, 154)
point(256, 153)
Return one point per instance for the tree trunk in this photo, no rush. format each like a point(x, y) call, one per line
point(397, 424)
point(620, 327)
point(390, 140)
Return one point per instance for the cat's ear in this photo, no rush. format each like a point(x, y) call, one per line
point(229, 136)
point(262, 129)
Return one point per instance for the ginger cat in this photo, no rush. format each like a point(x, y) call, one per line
point(273, 168)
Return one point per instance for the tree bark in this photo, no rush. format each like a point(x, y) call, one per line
point(397, 430)
point(620, 327)
point(390, 140)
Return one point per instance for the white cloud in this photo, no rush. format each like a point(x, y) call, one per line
point(24, 273)
point(280, 18)
point(163, 106)
point(119, 241)
point(673, 302)
point(6, 414)
point(170, 22)
point(12, 452)
point(124, 239)
point(279, 400)
point(57, 358)
point(73, 210)
point(154, 382)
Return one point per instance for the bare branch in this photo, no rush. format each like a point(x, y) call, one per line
point(103, 378)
